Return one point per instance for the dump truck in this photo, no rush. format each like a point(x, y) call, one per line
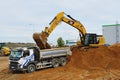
point(32, 58)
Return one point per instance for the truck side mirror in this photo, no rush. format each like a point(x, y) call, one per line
point(26, 53)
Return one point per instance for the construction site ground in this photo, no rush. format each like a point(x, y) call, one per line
point(101, 63)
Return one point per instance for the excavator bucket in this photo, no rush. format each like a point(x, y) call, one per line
point(41, 40)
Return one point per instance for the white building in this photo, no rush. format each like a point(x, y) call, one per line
point(111, 33)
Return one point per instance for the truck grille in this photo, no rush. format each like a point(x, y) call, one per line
point(14, 59)
point(14, 64)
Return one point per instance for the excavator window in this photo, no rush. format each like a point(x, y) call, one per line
point(86, 43)
point(90, 39)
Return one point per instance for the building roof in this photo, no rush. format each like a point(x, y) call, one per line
point(111, 25)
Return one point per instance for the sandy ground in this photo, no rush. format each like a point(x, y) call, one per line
point(4, 62)
point(61, 74)
point(71, 71)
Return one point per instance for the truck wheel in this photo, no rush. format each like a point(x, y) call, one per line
point(63, 61)
point(31, 68)
point(55, 62)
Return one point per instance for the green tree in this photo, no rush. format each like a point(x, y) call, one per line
point(60, 42)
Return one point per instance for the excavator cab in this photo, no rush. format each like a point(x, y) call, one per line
point(93, 40)
point(90, 39)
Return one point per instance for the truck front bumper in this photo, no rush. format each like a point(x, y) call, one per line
point(15, 66)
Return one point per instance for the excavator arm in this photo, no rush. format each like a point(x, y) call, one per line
point(69, 20)
point(41, 38)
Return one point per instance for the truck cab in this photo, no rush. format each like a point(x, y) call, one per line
point(19, 58)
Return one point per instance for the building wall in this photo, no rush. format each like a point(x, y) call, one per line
point(111, 33)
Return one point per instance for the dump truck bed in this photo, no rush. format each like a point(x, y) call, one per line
point(52, 49)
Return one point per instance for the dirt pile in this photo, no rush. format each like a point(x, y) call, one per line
point(96, 58)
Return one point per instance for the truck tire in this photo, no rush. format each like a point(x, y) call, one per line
point(55, 62)
point(31, 68)
point(63, 61)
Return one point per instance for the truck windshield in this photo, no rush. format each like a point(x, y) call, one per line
point(17, 54)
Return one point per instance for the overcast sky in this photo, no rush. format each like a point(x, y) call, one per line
point(19, 19)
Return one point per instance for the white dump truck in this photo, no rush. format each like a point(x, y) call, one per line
point(32, 58)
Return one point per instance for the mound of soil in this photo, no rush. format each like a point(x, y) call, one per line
point(96, 58)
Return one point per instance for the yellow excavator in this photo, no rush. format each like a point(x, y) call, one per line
point(86, 39)
point(4, 51)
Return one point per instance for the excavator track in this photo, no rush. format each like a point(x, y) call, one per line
point(41, 40)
